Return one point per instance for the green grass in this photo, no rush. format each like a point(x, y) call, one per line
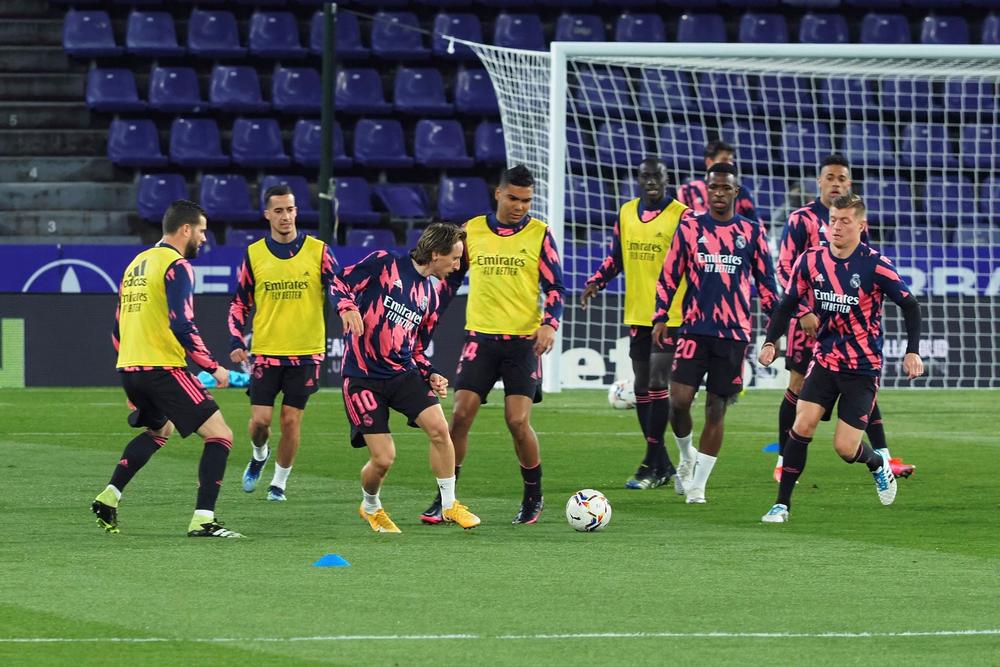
point(844, 564)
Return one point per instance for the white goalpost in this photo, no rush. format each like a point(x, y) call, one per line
point(920, 126)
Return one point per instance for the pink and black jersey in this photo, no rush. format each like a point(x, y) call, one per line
point(806, 228)
point(719, 259)
point(694, 195)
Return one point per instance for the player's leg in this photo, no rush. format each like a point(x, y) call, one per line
point(853, 415)
point(645, 474)
point(265, 383)
point(659, 414)
point(517, 414)
point(797, 357)
point(298, 384)
point(218, 438)
point(800, 434)
point(442, 459)
point(464, 411)
point(381, 454)
point(876, 436)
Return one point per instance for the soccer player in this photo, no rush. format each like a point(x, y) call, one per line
point(154, 326)
point(807, 227)
point(718, 253)
point(694, 194)
point(639, 245)
point(847, 282)
point(513, 264)
point(286, 275)
point(390, 307)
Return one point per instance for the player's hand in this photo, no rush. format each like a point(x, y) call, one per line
point(544, 337)
point(809, 323)
point(767, 354)
point(659, 334)
point(352, 322)
point(239, 356)
point(589, 292)
point(913, 365)
point(439, 385)
point(221, 375)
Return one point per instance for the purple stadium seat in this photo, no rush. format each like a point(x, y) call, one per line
point(214, 34)
point(763, 28)
point(723, 93)
point(488, 145)
point(579, 28)
point(888, 201)
point(938, 5)
point(440, 143)
point(950, 200)
point(420, 91)
point(753, 141)
point(989, 198)
point(296, 90)
point(341, 160)
point(874, 4)
point(242, 238)
point(805, 143)
point(701, 28)
point(970, 96)
point(790, 95)
point(474, 93)
point(413, 236)
point(823, 29)
point(908, 97)
point(812, 4)
point(236, 88)
point(307, 144)
point(306, 213)
point(980, 146)
point(403, 201)
point(275, 35)
point(134, 143)
point(175, 90)
point(885, 29)
point(195, 142)
point(359, 91)
point(991, 30)
point(664, 88)
point(919, 239)
point(846, 95)
point(156, 192)
point(463, 26)
point(620, 142)
point(927, 145)
point(380, 143)
point(226, 198)
point(868, 144)
point(640, 28)
point(595, 92)
point(587, 203)
point(937, 29)
point(506, 4)
point(257, 143)
point(88, 34)
point(769, 193)
point(397, 35)
point(684, 145)
point(152, 34)
point(353, 202)
point(375, 239)
point(112, 90)
point(460, 199)
point(519, 31)
point(347, 38)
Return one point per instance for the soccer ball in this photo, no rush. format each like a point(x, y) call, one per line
point(588, 511)
point(621, 395)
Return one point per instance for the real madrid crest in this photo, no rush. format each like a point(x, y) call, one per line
point(855, 281)
point(741, 242)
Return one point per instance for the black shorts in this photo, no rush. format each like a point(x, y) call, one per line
point(856, 393)
point(296, 383)
point(640, 343)
point(367, 401)
point(486, 360)
point(721, 358)
point(173, 394)
point(799, 347)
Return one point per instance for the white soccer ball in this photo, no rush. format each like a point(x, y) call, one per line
point(588, 511)
point(621, 395)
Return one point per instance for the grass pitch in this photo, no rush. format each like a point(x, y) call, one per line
point(847, 581)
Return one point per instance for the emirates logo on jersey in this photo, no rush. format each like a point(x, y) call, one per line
point(855, 281)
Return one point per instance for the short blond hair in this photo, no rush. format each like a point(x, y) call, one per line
point(440, 238)
point(850, 200)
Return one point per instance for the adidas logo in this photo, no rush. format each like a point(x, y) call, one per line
point(659, 235)
point(523, 251)
point(398, 283)
point(139, 270)
point(306, 273)
point(702, 239)
point(738, 379)
point(309, 382)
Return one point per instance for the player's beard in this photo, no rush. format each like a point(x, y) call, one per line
point(191, 249)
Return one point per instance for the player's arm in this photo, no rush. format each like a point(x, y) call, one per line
point(763, 273)
point(606, 272)
point(116, 333)
point(239, 310)
point(550, 277)
point(352, 280)
point(674, 266)
point(447, 289)
point(423, 341)
point(179, 282)
point(782, 315)
point(328, 268)
point(889, 281)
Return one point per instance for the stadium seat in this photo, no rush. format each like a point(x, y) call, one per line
point(752, 141)
point(380, 143)
point(763, 28)
point(463, 26)
point(341, 160)
point(806, 143)
point(664, 88)
point(989, 198)
point(413, 236)
point(751, 4)
point(918, 240)
point(598, 91)
point(307, 144)
point(112, 90)
point(685, 146)
point(788, 95)
point(978, 235)
point(134, 143)
point(488, 145)
point(462, 198)
point(927, 145)
point(296, 90)
point(375, 239)
point(640, 28)
point(910, 97)
point(868, 144)
point(88, 34)
point(823, 29)
point(275, 35)
point(951, 201)
point(579, 148)
point(398, 35)
point(723, 93)
point(937, 29)
point(347, 37)
point(885, 29)
point(874, 4)
point(359, 91)
point(151, 34)
point(769, 195)
point(156, 192)
point(241, 238)
point(519, 31)
point(474, 93)
point(888, 201)
point(970, 96)
point(257, 143)
point(235, 88)
point(812, 4)
point(353, 202)
point(991, 30)
point(587, 204)
point(439, 143)
point(579, 28)
point(980, 146)
point(407, 202)
point(701, 28)
point(620, 142)
point(226, 198)
point(214, 34)
point(306, 213)
point(846, 97)
point(175, 90)
point(195, 142)
point(420, 91)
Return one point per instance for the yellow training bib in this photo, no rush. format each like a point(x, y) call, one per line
point(644, 248)
point(145, 338)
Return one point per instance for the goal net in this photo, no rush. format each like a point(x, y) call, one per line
point(920, 126)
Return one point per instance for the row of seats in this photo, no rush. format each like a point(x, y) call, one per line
point(562, 4)
point(415, 91)
point(381, 143)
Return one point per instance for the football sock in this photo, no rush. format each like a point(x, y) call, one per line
point(446, 487)
point(702, 470)
point(532, 482)
point(688, 453)
point(781, 461)
point(458, 471)
point(200, 517)
point(280, 476)
point(796, 449)
point(137, 453)
point(656, 427)
point(875, 430)
point(109, 496)
point(868, 456)
point(372, 503)
point(211, 470)
point(260, 453)
point(642, 403)
point(786, 418)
